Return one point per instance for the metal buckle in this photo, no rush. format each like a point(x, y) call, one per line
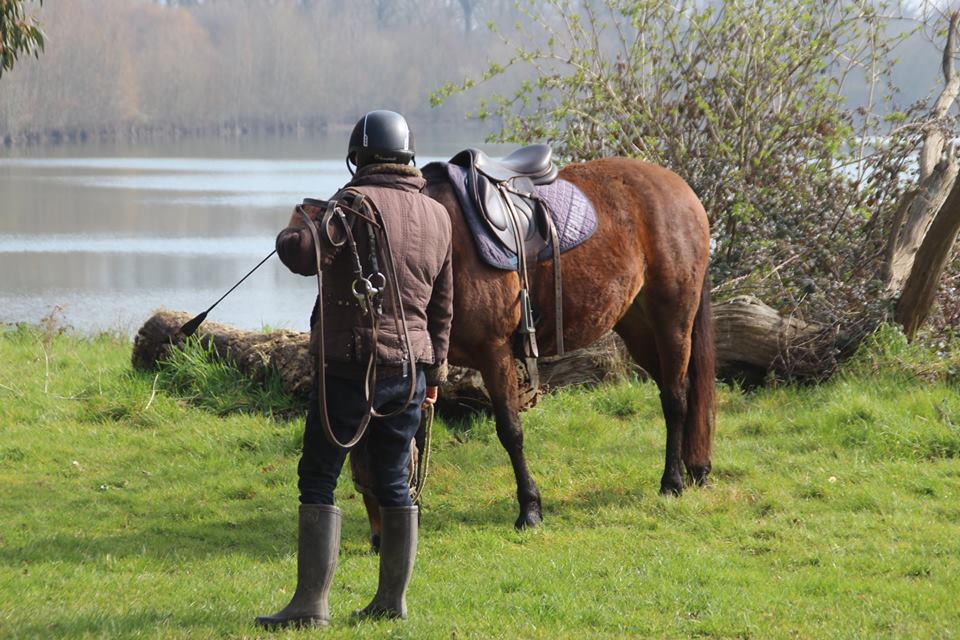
point(367, 293)
point(361, 291)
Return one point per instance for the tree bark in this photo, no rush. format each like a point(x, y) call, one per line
point(935, 141)
point(925, 225)
point(921, 286)
point(255, 354)
point(754, 340)
point(914, 218)
point(287, 354)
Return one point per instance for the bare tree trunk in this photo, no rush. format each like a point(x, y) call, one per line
point(925, 226)
point(936, 140)
point(254, 353)
point(920, 288)
point(287, 354)
point(914, 218)
point(754, 340)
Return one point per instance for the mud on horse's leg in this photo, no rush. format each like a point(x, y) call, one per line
point(500, 379)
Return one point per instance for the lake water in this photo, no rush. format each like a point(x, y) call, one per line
point(105, 235)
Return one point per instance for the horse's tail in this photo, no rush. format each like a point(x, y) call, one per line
point(701, 410)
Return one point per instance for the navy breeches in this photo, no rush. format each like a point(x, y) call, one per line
point(387, 439)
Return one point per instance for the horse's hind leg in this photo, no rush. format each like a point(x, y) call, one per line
point(662, 347)
point(500, 378)
point(361, 471)
point(673, 399)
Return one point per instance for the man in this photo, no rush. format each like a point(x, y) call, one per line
point(418, 232)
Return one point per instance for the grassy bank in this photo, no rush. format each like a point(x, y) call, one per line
point(127, 510)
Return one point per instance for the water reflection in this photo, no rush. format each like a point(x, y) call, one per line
point(112, 234)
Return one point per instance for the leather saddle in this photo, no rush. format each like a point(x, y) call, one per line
point(505, 197)
point(496, 186)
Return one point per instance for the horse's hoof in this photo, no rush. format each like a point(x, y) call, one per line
point(528, 520)
point(699, 475)
point(671, 486)
point(375, 543)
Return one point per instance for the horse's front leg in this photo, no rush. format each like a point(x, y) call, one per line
point(500, 378)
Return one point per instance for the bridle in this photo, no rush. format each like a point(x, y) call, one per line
point(368, 289)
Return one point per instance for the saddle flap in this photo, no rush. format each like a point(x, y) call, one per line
point(488, 197)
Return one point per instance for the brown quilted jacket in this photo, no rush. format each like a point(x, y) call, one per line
point(419, 232)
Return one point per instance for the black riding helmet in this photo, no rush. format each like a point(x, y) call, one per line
point(380, 136)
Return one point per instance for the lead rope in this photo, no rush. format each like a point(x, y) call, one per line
point(423, 468)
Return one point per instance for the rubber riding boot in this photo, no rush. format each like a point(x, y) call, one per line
point(317, 547)
point(398, 549)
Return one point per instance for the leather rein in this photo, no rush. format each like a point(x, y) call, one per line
point(368, 290)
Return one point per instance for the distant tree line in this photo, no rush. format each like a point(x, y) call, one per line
point(129, 68)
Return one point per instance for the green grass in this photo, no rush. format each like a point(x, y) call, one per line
point(132, 506)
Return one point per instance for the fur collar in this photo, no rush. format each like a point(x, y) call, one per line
point(384, 167)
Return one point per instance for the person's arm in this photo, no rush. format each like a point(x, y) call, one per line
point(439, 319)
point(295, 244)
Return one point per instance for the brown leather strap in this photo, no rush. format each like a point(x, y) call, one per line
point(399, 317)
point(557, 277)
point(531, 349)
point(371, 373)
point(320, 356)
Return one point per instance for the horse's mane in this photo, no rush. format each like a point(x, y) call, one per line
point(435, 173)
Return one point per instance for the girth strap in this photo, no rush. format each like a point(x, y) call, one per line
point(557, 278)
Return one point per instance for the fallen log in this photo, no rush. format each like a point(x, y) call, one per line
point(752, 342)
point(287, 354)
point(254, 353)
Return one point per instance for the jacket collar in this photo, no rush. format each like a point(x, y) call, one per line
point(397, 176)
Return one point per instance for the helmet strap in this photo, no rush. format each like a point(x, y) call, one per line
point(350, 168)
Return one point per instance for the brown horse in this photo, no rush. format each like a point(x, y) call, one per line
point(642, 274)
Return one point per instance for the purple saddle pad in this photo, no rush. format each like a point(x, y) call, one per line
point(572, 213)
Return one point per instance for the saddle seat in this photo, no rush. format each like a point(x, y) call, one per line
point(496, 186)
point(534, 162)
